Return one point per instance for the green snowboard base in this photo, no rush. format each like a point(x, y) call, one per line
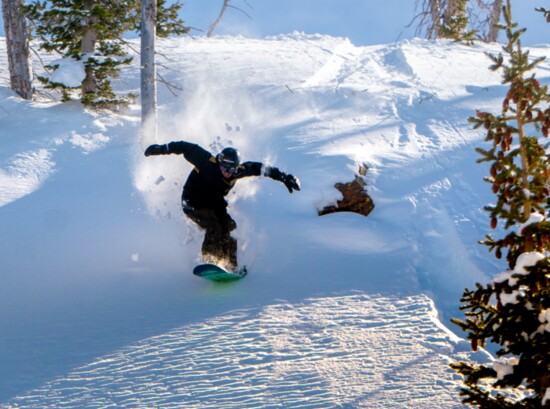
point(213, 272)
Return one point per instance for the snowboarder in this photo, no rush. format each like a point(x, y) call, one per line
point(203, 197)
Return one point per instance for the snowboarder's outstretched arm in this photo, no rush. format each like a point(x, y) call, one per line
point(255, 169)
point(156, 150)
point(290, 181)
point(191, 151)
point(195, 154)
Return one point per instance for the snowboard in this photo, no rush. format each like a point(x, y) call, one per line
point(213, 272)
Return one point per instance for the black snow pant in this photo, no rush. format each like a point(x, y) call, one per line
point(218, 246)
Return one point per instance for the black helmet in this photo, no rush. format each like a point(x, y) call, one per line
point(229, 157)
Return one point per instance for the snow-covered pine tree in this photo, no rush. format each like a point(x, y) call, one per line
point(513, 311)
point(88, 35)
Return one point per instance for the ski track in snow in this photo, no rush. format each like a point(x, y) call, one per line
point(355, 351)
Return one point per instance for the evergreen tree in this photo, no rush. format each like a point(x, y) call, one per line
point(455, 22)
point(513, 311)
point(90, 32)
point(445, 19)
point(461, 20)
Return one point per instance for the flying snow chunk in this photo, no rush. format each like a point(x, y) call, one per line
point(69, 72)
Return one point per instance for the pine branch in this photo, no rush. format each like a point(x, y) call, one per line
point(511, 310)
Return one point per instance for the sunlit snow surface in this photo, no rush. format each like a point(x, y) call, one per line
point(98, 306)
point(340, 352)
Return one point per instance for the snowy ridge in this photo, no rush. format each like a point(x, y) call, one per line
point(323, 353)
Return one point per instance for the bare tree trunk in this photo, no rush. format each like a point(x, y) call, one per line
point(148, 72)
point(435, 13)
point(18, 48)
point(215, 23)
point(450, 11)
point(494, 20)
point(87, 46)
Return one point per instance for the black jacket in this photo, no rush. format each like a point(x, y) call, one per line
point(206, 186)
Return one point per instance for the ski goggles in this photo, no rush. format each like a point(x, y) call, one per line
point(228, 168)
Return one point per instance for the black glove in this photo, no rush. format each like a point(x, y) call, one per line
point(156, 150)
point(291, 182)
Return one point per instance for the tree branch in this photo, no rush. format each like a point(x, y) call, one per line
point(241, 10)
point(168, 85)
point(225, 5)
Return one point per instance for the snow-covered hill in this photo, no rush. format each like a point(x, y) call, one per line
point(97, 304)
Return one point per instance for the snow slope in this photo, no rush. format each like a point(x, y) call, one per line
point(315, 354)
point(97, 304)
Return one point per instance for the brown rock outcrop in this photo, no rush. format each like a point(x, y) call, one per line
point(355, 198)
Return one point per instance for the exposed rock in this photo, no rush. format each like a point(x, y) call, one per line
point(355, 197)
